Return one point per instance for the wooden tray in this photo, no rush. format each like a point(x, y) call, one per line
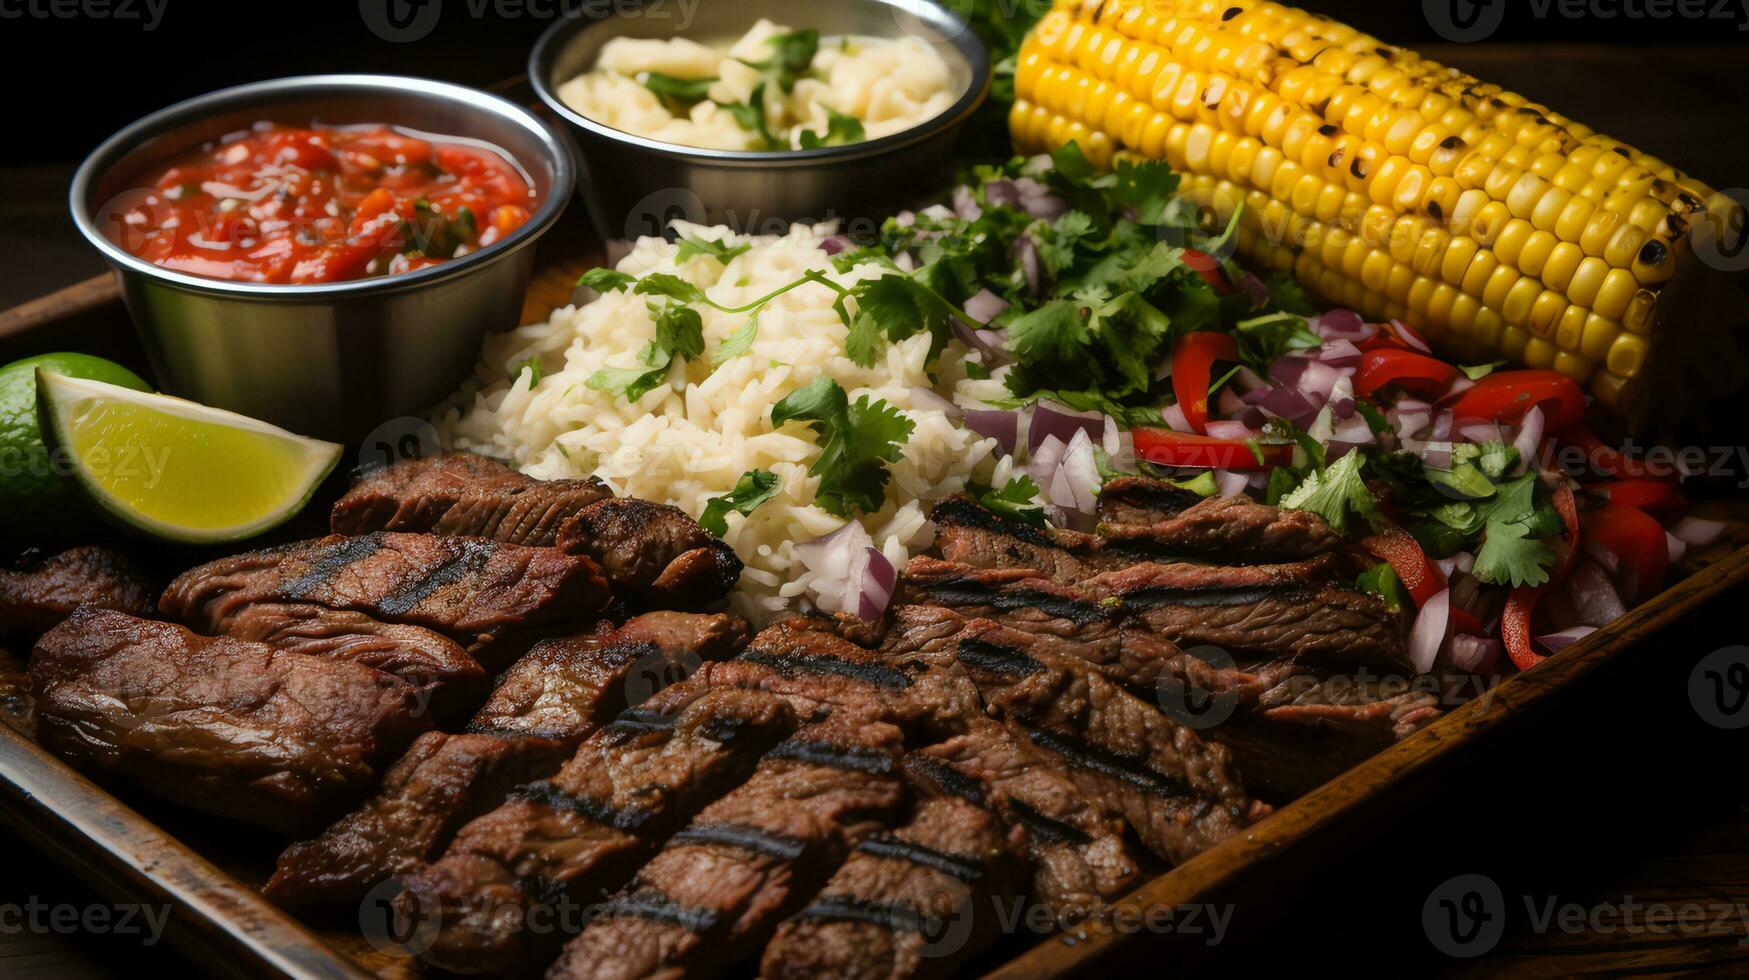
point(140, 850)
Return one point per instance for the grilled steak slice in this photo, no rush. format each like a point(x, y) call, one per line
point(557, 845)
point(655, 555)
point(718, 890)
point(1362, 706)
point(1269, 610)
point(223, 726)
point(564, 688)
point(544, 705)
point(1179, 793)
point(968, 534)
point(1080, 860)
point(464, 495)
point(435, 664)
point(917, 902)
point(1138, 500)
point(1016, 597)
point(17, 707)
point(442, 782)
point(464, 587)
point(34, 598)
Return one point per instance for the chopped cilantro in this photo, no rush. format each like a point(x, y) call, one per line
point(605, 280)
point(531, 366)
point(721, 251)
point(754, 488)
point(1476, 372)
point(628, 383)
point(1381, 580)
point(681, 91)
point(857, 441)
point(841, 130)
point(1334, 492)
point(737, 343)
point(793, 54)
point(1017, 499)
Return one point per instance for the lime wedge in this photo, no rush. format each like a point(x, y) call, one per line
point(175, 469)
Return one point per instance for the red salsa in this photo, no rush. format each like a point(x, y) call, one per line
point(280, 204)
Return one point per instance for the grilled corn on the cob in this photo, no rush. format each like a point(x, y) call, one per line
point(1384, 181)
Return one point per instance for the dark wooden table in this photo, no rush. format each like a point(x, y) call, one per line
point(1624, 802)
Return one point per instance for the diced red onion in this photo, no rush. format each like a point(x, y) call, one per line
point(1037, 200)
point(840, 563)
point(1427, 636)
point(1406, 424)
point(992, 344)
point(1556, 642)
point(1028, 250)
point(1464, 561)
point(1285, 403)
point(1459, 385)
point(1342, 398)
point(1413, 405)
point(1475, 654)
point(1530, 438)
point(1246, 380)
point(1254, 418)
point(1410, 337)
point(1322, 427)
point(986, 306)
point(833, 244)
point(1221, 429)
point(1002, 193)
point(1595, 599)
point(1318, 380)
point(1446, 567)
point(1441, 427)
point(965, 206)
point(1232, 483)
point(1483, 432)
point(1228, 402)
point(1002, 426)
point(1043, 460)
point(1675, 546)
point(875, 584)
point(1340, 354)
point(905, 262)
point(1080, 471)
point(1433, 452)
point(905, 219)
point(1120, 448)
point(1175, 420)
point(1698, 531)
point(1340, 324)
point(1255, 288)
point(927, 399)
point(1050, 419)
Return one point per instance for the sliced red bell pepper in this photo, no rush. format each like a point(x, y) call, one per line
point(1641, 493)
point(1209, 268)
point(1168, 448)
point(1515, 629)
point(1506, 396)
point(1638, 540)
point(1193, 360)
point(1465, 622)
point(1403, 553)
point(1406, 369)
point(1568, 508)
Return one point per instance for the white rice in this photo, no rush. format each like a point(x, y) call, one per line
point(692, 438)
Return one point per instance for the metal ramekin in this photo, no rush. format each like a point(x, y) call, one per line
point(333, 359)
point(636, 185)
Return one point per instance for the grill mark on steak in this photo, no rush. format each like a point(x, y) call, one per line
point(219, 725)
point(472, 558)
point(1204, 596)
point(652, 907)
point(991, 658)
point(325, 565)
point(1135, 500)
point(561, 843)
point(969, 591)
point(789, 665)
point(955, 865)
point(747, 838)
point(888, 915)
point(1130, 769)
point(35, 597)
point(1053, 831)
point(818, 753)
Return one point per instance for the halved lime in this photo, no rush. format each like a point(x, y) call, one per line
point(175, 469)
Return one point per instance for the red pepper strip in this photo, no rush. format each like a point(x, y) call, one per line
point(1403, 553)
point(1640, 494)
point(1505, 396)
point(1608, 461)
point(1168, 448)
point(1568, 508)
point(1193, 361)
point(1515, 625)
point(1638, 540)
point(1404, 368)
point(1465, 622)
point(1209, 268)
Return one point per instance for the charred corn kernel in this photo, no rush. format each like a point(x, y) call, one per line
point(1378, 177)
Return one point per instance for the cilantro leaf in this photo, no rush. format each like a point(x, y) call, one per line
point(793, 55)
point(1509, 556)
point(1056, 331)
point(1265, 338)
point(679, 333)
point(1018, 499)
point(682, 91)
point(628, 383)
point(1145, 188)
point(858, 441)
point(1381, 580)
point(1332, 493)
point(1476, 372)
point(532, 366)
point(754, 488)
point(893, 308)
point(670, 285)
point(841, 130)
point(750, 115)
point(737, 343)
point(605, 280)
point(721, 251)
point(1072, 164)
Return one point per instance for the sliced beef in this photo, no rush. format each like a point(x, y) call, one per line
point(464, 587)
point(968, 534)
point(1294, 610)
point(563, 688)
point(223, 726)
point(916, 902)
point(719, 889)
point(17, 707)
point(1016, 597)
point(451, 678)
point(1361, 705)
point(37, 596)
point(461, 494)
point(654, 555)
point(514, 883)
point(1138, 500)
point(1179, 793)
point(442, 782)
point(1080, 859)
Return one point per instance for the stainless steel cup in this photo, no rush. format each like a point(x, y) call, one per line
point(333, 359)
